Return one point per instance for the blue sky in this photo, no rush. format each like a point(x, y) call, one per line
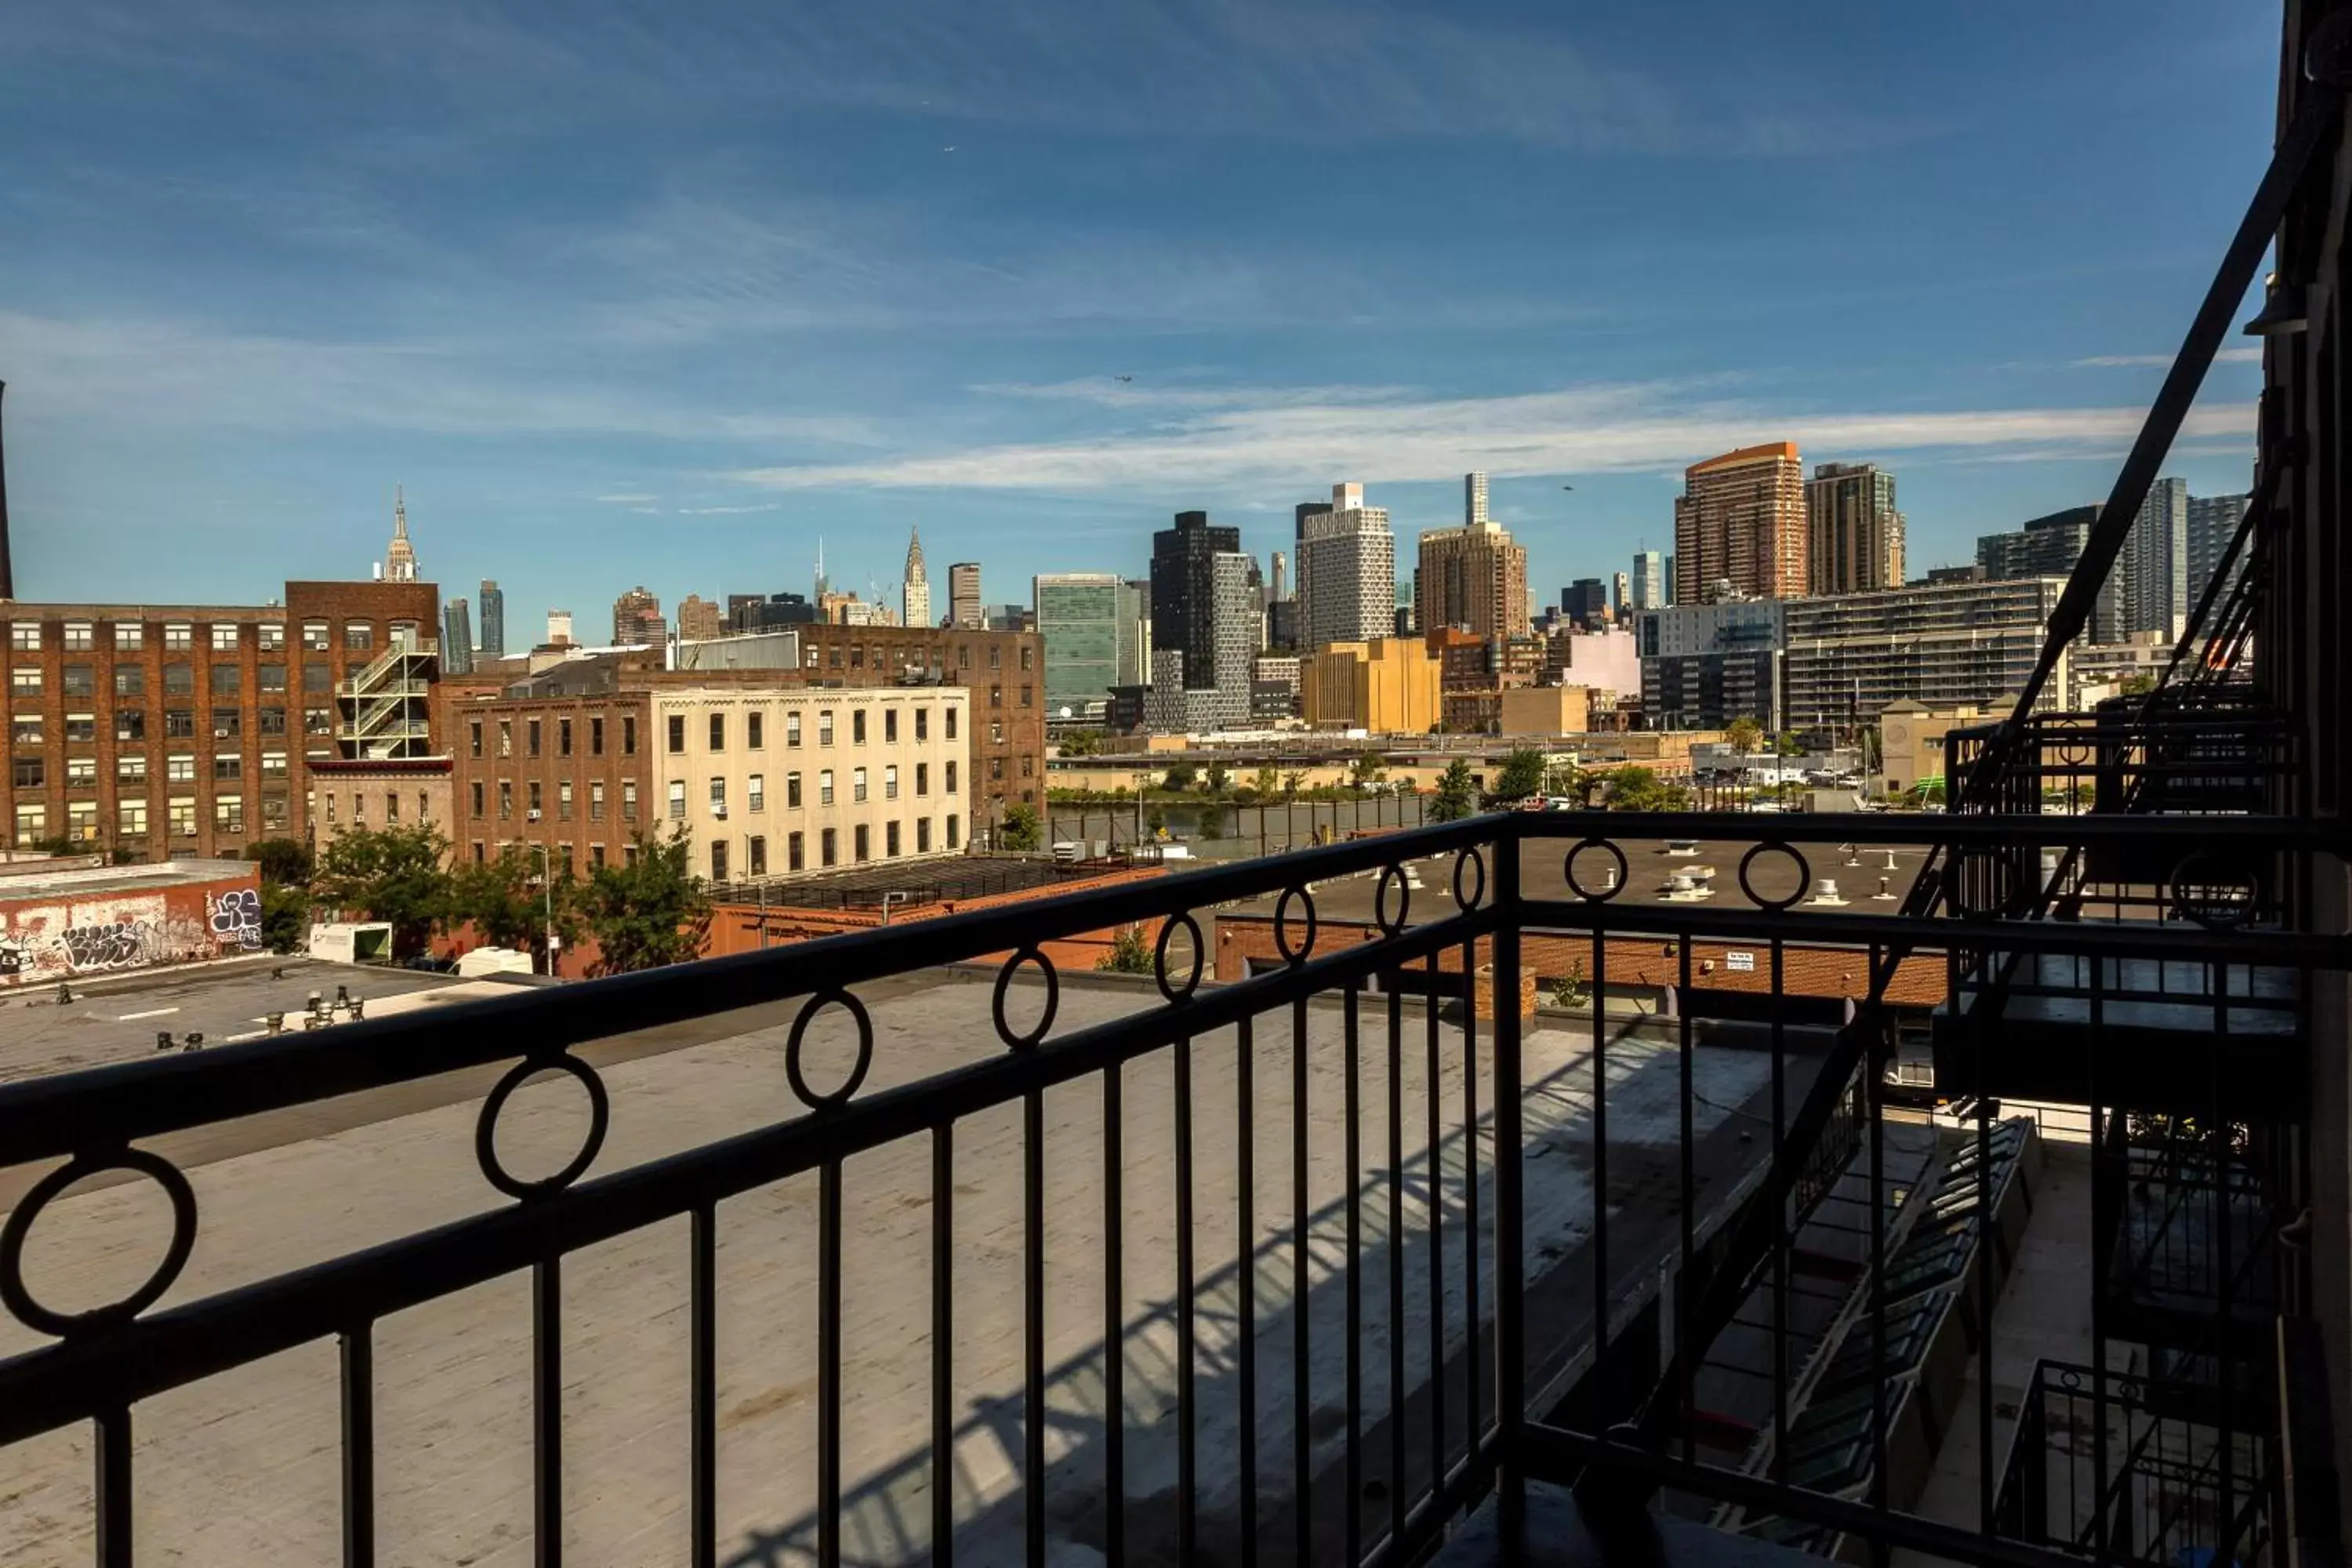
point(652, 293)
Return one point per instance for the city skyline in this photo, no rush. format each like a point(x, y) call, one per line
point(1040, 375)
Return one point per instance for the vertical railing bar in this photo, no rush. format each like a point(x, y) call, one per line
point(944, 1345)
point(1115, 1321)
point(1245, 1252)
point(1686, 1353)
point(1396, 1253)
point(1033, 1323)
point(828, 1365)
point(1474, 1390)
point(359, 1444)
point(547, 1413)
point(1351, 1515)
point(2117, 1182)
point(1188, 1409)
point(1434, 1158)
point(1601, 1291)
point(1510, 1204)
point(2224, 1338)
point(1302, 1385)
point(1780, 1236)
point(112, 1481)
point(1874, 1080)
point(1984, 1261)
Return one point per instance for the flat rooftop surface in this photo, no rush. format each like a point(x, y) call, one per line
point(244, 1467)
point(17, 884)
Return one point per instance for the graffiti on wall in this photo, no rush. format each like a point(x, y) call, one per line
point(104, 936)
point(236, 917)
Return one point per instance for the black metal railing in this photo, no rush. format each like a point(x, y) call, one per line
point(1292, 1268)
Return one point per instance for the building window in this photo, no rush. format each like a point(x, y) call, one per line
point(678, 800)
point(131, 819)
point(318, 680)
point(563, 800)
point(995, 657)
point(81, 680)
point(677, 734)
point(954, 823)
point(317, 722)
point(564, 737)
point(950, 784)
point(273, 811)
point(826, 853)
point(273, 721)
point(228, 812)
point(227, 768)
point(357, 636)
point(25, 729)
point(824, 787)
point(923, 780)
point(129, 636)
point(81, 820)
point(392, 806)
point(81, 729)
point(825, 728)
point(793, 790)
point(996, 696)
point(505, 737)
point(759, 792)
point(24, 680)
point(595, 856)
point(719, 731)
point(224, 637)
point(227, 723)
point(950, 715)
point(478, 856)
point(891, 838)
point(628, 800)
point(890, 784)
point(857, 728)
point(270, 635)
point(225, 681)
point(922, 836)
point(595, 800)
point(995, 732)
point(531, 737)
point(179, 638)
point(856, 784)
point(179, 681)
point(795, 852)
point(629, 855)
point(478, 793)
point(1025, 651)
point(755, 730)
point(131, 767)
point(78, 637)
point(791, 728)
point(538, 788)
point(270, 678)
point(757, 860)
point(33, 823)
point(922, 723)
point(718, 796)
point(1028, 765)
point(889, 726)
point(1028, 694)
point(719, 859)
point(596, 736)
point(130, 724)
point(273, 765)
point(995, 769)
point(182, 816)
point(862, 839)
point(473, 737)
point(628, 735)
point(25, 637)
point(506, 800)
point(31, 773)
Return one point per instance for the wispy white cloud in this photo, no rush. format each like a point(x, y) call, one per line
point(1617, 427)
point(1127, 392)
point(2114, 362)
point(630, 497)
point(727, 511)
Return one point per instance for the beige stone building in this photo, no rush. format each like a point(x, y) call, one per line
point(1389, 686)
point(1547, 710)
point(1473, 578)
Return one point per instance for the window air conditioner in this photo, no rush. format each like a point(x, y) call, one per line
point(718, 810)
point(531, 816)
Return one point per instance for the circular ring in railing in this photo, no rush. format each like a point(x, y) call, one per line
point(796, 1072)
point(1804, 874)
point(486, 1143)
point(20, 1300)
point(1472, 859)
point(1968, 871)
point(2073, 754)
point(1392, 873)
point(1159, 957)
point(1282, 924)
point(1568, 870)
point(2069, 1378)
point(2222, 903)
point(1053, 999)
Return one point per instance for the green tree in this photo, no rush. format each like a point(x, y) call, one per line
point(1293, 782)
point(1640, 789)
point(1266, 781)
point(396, 875)
point(1521, 775)
point(1082, 743)
point(510, 905)
point(1179, 777)
point(1156, 819)
point(1743, 735)
point(2137, 685)
point(286, 860)
point(1129, 953)
point(1368, 768)
point(285, 871)
point(1213, 822)
point(1790, 746)
point(1023, 831)
point(649, 911)
point(1456, 796)
point(1217, 778)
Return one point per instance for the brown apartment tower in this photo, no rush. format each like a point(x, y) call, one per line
point(1741, 520)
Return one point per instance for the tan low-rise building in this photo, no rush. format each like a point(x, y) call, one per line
point(1389, 686)
point(1546, 710)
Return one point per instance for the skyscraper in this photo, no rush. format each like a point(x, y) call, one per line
point(1854, 535)
point(399, 558)
point(2155, 565)
point(700, 619)
point(457, 639)
point(1474, 500)
point(1079, 614)
point(2212, 525)
point(964, 597)
point(1621, 593)
point(1298, 516)
point(1585, 603)
point(1346, 572)
point(1203, 635)
point(1741, 520)
point(494, 621)
point(2049, 546)
point(1473, 578)
point(914, 596)
point(1649, 579)
point(1281, 589)
point(637, 619)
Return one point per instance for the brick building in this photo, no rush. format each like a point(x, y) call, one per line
point(183, 731)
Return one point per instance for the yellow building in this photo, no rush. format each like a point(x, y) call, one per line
point(1547, 709)
point(1389, 686)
